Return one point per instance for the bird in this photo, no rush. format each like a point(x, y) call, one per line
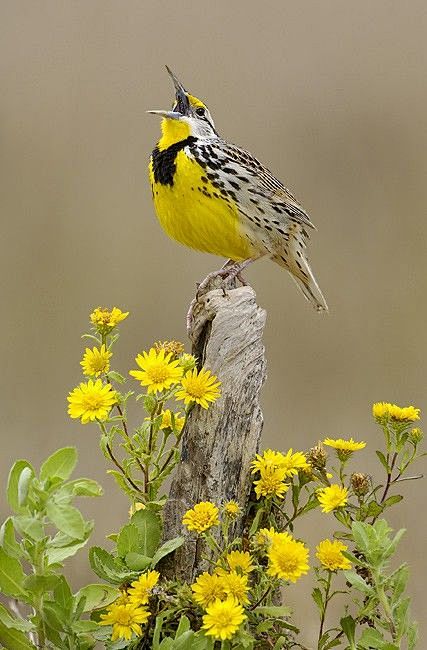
point(213, 196)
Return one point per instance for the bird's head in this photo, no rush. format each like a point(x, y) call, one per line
point(189, 116)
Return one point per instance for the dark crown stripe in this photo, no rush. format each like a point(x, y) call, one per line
point(164, 166)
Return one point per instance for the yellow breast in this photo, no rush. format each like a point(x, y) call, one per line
point(192, 211)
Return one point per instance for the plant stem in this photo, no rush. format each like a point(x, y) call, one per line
point(117, 464)
point(323, 616)
point(259, 601)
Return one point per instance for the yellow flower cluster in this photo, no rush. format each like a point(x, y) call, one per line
point(128, 612)
point(232, 509)
point(288, 558)
point(330, 555)
point(105, 319)
point(223, 594)
point(344, 448)
point(274, 468)
point(201, 517)
point(160, 370)
point(91, 401)
point(332, 497)
point(383, 411)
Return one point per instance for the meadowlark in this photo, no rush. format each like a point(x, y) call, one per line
point(215, 197)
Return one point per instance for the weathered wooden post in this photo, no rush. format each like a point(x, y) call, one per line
point(219, 443)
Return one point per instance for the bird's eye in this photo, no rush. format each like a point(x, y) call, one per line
point(200, 111)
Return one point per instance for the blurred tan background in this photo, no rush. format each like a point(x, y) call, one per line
point(332, 96)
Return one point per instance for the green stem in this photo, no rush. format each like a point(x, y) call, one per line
point(323, 616)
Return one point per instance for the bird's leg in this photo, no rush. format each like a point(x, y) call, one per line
point(228, 271)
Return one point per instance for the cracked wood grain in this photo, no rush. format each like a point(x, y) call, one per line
point(219, 443)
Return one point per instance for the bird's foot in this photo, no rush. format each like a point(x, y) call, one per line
point(228, 272)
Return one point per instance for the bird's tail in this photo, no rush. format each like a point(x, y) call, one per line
point(299, 269)
point(311, 291)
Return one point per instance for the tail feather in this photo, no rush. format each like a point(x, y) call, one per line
point(300, 271)
point(311, 291)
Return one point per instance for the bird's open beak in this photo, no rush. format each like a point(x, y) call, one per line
point(172, 115)
point(182, 104)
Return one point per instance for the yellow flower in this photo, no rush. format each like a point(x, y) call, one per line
point(200, 387)
point(166, 422)
point(125, 619)
point(265, 536)
point(416, 435)
point(207, 589)
point(105, 320)
point(203, 516)
point(288, 559)
point(91, 401)
point(140, 590)
point(235, 585)
point(344, 448)
point(272, 460)
point(157, 372)
point(383, 411)
point(332, 497)
point(223, 618)
point(135, 507)
point(330, 555)
point(344, 445)
point(271, 483)
point(232, 509)
point(240, 560)
point(96, 361)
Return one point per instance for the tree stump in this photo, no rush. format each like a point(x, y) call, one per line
point(219, 443)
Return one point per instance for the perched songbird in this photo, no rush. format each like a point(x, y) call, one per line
point(215, 197)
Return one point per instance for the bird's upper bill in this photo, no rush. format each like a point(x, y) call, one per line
point(184, 102)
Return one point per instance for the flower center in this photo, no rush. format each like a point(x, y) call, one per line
point(195, 388)
point(123, 617)
point(158, 374)
point(92, 402)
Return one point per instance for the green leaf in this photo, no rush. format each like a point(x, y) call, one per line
point(106, 567)
point(396, 498)
point(255, 524)
point(348, 625)
point(150, 530)
point(10, 621)
point(13, 639)
point(63, 596)
point(12, 484)
point(116, 376)
point(183, 626)
point(59, 465)
point(97, 596)
point(166, 548)
point(373, 639)
point(128, 540)
point(59, 554)
point(275, 611)
point(11, 576)
point(56, 618)
point(8, 539)
point(357, 582)
point(83, 487)
point(383, 460)
point(316, 594)
point(67, 519)
point(29, 526)
point(24, 482)
point(138, 562)
point(40, 584)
